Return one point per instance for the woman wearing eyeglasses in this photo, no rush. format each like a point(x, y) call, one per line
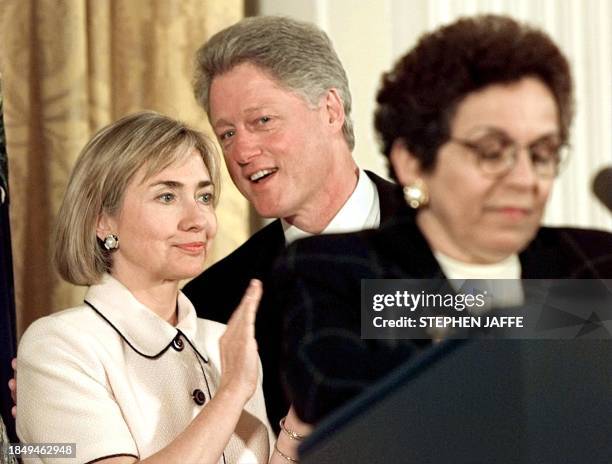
point(475, 121)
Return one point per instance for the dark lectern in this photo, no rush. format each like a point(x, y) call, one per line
point(480, 401)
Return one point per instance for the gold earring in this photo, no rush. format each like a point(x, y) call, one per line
point(415, 194)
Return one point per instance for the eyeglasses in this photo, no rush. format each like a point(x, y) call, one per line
point(496, 154)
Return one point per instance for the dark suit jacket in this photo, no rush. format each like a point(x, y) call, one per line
point(217, 292)
point(325, 360)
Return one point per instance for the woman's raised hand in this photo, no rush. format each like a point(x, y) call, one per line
point(239, 358)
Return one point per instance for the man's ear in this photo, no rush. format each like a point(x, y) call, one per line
point(105, 225)
point(334, 109)
point(406, 166)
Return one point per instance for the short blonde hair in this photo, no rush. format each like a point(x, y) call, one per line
point(101, 175)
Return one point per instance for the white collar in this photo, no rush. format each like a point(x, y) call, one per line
point(508, 268)
point(138, 325)
point(500, 280)
point(352, 216)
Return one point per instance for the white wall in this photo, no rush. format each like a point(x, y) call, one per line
point(370, 34)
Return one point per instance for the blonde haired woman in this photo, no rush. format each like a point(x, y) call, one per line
point(132, 374)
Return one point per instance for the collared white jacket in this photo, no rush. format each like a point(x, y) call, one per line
point(115, 379)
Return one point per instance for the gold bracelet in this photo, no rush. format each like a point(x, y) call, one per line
point(283, 455)
point(293, 435)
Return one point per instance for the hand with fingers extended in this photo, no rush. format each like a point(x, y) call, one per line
point(239, 357)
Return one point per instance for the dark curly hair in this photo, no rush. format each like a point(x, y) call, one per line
point(419, 96)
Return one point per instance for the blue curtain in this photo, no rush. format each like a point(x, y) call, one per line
point(7, 293)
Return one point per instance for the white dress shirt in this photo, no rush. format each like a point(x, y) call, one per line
point(115, 378)
point(361, 211)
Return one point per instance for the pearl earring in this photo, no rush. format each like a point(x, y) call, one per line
point(415, 194)
point(111, 242)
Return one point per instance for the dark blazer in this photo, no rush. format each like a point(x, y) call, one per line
point(319, 283)
point(217, 292)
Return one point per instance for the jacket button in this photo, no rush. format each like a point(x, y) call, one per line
point(198, 397)
point(178, 344)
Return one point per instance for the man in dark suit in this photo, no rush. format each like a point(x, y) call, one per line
point(278, 100)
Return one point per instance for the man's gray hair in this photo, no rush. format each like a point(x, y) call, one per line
point(299, 55)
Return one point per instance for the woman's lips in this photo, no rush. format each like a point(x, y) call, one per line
point(192, 247)
point(512, 212)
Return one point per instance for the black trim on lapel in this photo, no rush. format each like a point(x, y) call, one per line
point(153, 356)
